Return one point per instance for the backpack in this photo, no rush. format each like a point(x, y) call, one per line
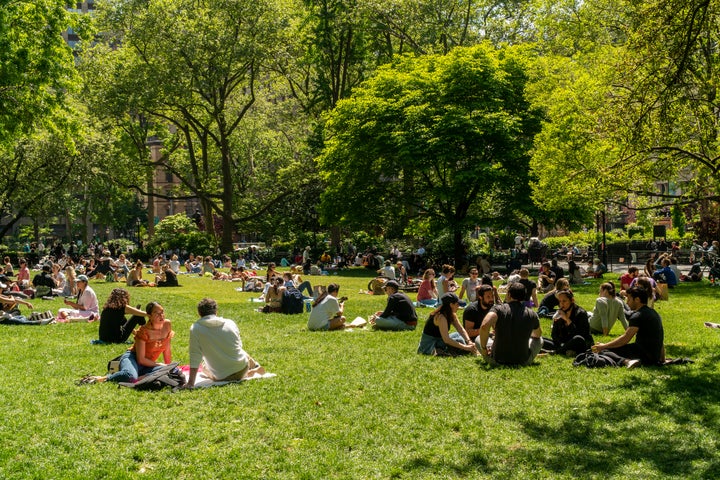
point(165, 376)
point(292, 301)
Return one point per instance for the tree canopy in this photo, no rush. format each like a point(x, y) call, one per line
point(440, 138)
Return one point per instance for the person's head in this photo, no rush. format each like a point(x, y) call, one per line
point(22, 262)
point(636, 297)
point(333, 289)
point(524, 273)
point(287, 276)
point(562, 284)
point(208, 259)
point(390, 287)
point(666, 262)
point(69, 272)
point(485, 295)
point(553, 262)
point(516, 290)
point(566, 300)
point(486, 280)
point(449, 303)
point(428, 274)
point(608, 289)
point(448, 270)
point(596, 261)
point(387, 263)
point(207, 306)
point(82, 281)
point(156, 313)
point(633, 271)
point(46, 268)
point(473, 272)
point(174, 257)
point(6, 259)
point(545, 266)
point(118, 299)
point(277, 281)
point(139, 265)
point(271, 266)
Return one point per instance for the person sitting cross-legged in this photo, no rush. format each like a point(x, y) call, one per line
point(518, 336)
point(646, 326)
point(399, 314)
point(216, 346)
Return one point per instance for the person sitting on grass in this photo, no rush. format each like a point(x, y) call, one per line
point(627, 278)
point(11, 315)
point(518, 336)
point(550, 300)
point(274, 296)
point(151, 340)
point(530, 299)
point(114, 327)
point(327, 311)
point(216, 347)
point(570, 330)
point(427, 292)
point(295, 281)
point(470, 285)
point(646, 326)
point(436, 338)
point(167, 278)
point(399, 313)
point(474, 314)
point(546, 278)
point(608, 309)
point(85, 309)
point(134, 278)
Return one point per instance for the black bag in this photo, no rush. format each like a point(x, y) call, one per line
point(292, 301)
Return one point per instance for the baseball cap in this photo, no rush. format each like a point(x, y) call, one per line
point(392, 283)
point(82, 278)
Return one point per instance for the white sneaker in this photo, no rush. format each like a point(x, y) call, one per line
point(633, 363)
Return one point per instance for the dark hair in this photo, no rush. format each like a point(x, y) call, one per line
point(568, 293)
point(482, 288)
point(150, 306)
point(207, 306)
point(331, 288)
point(639, 293)
point(609, 287)
point(572, 266)
point(517, 291)
point(445, 307)
point(486, 280)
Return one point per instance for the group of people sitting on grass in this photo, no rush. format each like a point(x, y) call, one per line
point(215, 344)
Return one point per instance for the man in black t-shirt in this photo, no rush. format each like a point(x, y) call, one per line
point(399, 313)
point(518, 336)
point(474, 314)
point(645, 325)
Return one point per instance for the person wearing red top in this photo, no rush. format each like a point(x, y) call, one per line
point(428, 293)
point(151, 340)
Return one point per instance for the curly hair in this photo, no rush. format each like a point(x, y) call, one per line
point(118, 299)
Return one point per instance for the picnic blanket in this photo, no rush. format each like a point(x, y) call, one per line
point(203, 381)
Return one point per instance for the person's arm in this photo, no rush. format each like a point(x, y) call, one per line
point(462, 289)
point(445, 334)
point(470, 327)
point(167, 353)
point(191, 378)
point(461, 330)
point(534, 298)
point(618, 342)
point(130, 310)
point(621, 317)
point(537, 333)
point(488, 323)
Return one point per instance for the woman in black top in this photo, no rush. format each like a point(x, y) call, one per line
point(114, 327)
point(436, 338)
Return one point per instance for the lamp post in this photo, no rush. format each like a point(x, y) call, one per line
point(137, 229)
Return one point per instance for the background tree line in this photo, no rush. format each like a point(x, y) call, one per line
point(400, 117)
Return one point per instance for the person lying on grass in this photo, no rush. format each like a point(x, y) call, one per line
point(151, 340)
point(646, 326)
point(215, 344)
point(436, 338)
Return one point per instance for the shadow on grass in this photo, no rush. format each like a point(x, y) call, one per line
point(669, 427)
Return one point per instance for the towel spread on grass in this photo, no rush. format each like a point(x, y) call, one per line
point(203, 381)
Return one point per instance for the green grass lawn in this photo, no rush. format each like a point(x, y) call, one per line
point(358, 404)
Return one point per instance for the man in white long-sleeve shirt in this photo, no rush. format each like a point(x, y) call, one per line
point(215, 341)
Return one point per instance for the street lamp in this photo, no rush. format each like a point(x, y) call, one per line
point(137, 228)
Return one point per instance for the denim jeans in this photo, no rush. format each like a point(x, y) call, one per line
point(130, 369)
point(392, 323)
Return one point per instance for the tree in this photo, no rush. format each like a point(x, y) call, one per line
point(200, 66)
point(436, 136)
point(36, 66)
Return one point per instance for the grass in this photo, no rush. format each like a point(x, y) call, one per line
point(359, 404)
